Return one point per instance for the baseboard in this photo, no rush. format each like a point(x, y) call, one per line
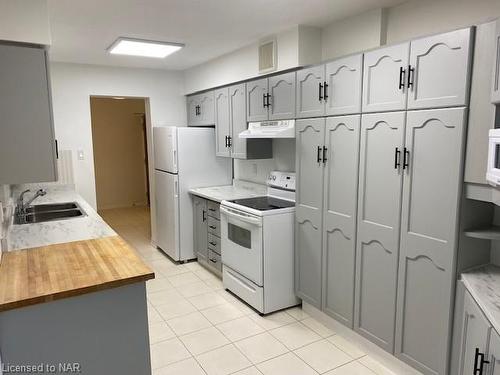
point(386, 359)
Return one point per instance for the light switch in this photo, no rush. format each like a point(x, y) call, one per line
point(80, 155)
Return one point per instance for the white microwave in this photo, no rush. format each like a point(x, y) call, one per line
point(493, 170)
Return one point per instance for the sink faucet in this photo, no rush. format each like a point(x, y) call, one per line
point(21, 205)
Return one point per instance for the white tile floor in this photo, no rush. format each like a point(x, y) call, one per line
point(197, 328)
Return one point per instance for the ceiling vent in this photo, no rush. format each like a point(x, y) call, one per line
point(267, 55)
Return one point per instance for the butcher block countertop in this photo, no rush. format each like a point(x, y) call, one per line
point(48, 273)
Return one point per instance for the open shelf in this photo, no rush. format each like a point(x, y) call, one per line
point(486, 233)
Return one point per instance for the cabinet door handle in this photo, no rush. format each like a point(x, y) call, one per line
point(57, 149)
point(225, 140)
point(406, 158)
point(402, 73)
point(325, 150)
point(479, 362)
point(264, 102)
point(268, 100)
point(204, 216)
point(325, 91)
point(397, 158)
point(320, 92)
point(229, 141)
point(411, 76)
point(318, 156)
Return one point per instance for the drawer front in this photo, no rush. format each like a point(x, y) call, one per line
point(213, 209)
point(243, 288)
point(214, 243)
point(214, 260)
point(214, 226)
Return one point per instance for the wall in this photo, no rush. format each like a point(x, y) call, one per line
point(354, 34)
point(72, 86)
point(297, 46)
point(25, 21)
point(422, 17)
point(119, 152)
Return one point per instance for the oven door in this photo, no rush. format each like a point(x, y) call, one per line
point(241, 243)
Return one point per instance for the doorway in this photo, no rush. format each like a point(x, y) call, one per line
point(120, 152)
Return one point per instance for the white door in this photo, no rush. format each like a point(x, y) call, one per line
point(343, 86)
point(165, 148)
point(167, 213)
point(310, 92)
point(379, 209)
point(429, 229)
point(241, 243)
point(282, 96)
point(237, 108)
point(440, 70)
point(257, 100)
point(222, 122)
point(193, 105)
point(384, 78)
point(207, 108)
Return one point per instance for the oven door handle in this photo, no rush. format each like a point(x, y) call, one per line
point(241, 216)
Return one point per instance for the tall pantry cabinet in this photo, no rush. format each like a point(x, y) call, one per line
point(385, 202)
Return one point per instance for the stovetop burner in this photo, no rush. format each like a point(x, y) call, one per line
point(264, 203)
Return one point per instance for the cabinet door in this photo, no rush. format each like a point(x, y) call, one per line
point(429, 225)
point(237, 111)
point(309, 204)
point(256, 100)
point(379, 209)
point(494, 354)
point(343, 79)
point(193, 103)
point(310, 92)
point(207, 109)
point(384, 76)
point(222, 122)
point(475, 335)
point(441, 73)
point(26, 130)
point(495, 88)
point(200, 228)
point(282, 100)
point(339, 220)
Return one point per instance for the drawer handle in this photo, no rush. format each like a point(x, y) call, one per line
point(212, 227)
point(211, 209)
point(213, 260)
point(213, 243)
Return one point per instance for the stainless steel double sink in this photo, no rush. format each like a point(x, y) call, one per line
point(49, 212)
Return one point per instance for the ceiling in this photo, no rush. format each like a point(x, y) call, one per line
point(82, 30)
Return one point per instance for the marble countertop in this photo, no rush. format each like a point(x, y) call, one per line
point(483, 284)
point(88, 227)
point(238, 190)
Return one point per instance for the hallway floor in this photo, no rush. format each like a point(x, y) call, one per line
point(197, 328)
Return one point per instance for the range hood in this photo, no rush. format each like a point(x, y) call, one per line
point(270, 129)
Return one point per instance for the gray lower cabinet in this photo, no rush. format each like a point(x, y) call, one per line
point(200, 228)
point(476, 332)
point(309, 209)
point(201, 109)
point(339, 215)
point(207, 233)
point(379, 208)
point(429, 232)
point(230, 121)
point(310, 92)
point(495, 88)
point(26, 125)
point(494, 351)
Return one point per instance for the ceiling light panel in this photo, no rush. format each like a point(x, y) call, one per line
point(144, 48)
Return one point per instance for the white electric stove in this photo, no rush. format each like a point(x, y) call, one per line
point(257, 245)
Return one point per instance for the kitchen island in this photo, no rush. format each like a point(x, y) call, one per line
point(77, 306)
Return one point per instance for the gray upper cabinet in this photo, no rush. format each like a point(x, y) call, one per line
point(343, 86)
point(379, 208)
point(495, 88)
point(309, 203)
point(433, 158)
point(310, 92)
point(237, 105)
point(440, 67)
point(494, 351)
point(222, 122)
point(201, 109)
point(257, 100)
point(475, 335)
point(282, 96)
point(200, 228)
point(339, 215)
point(26, 131)
point(384, 78)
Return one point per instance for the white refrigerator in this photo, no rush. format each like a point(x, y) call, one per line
point(184, 158)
